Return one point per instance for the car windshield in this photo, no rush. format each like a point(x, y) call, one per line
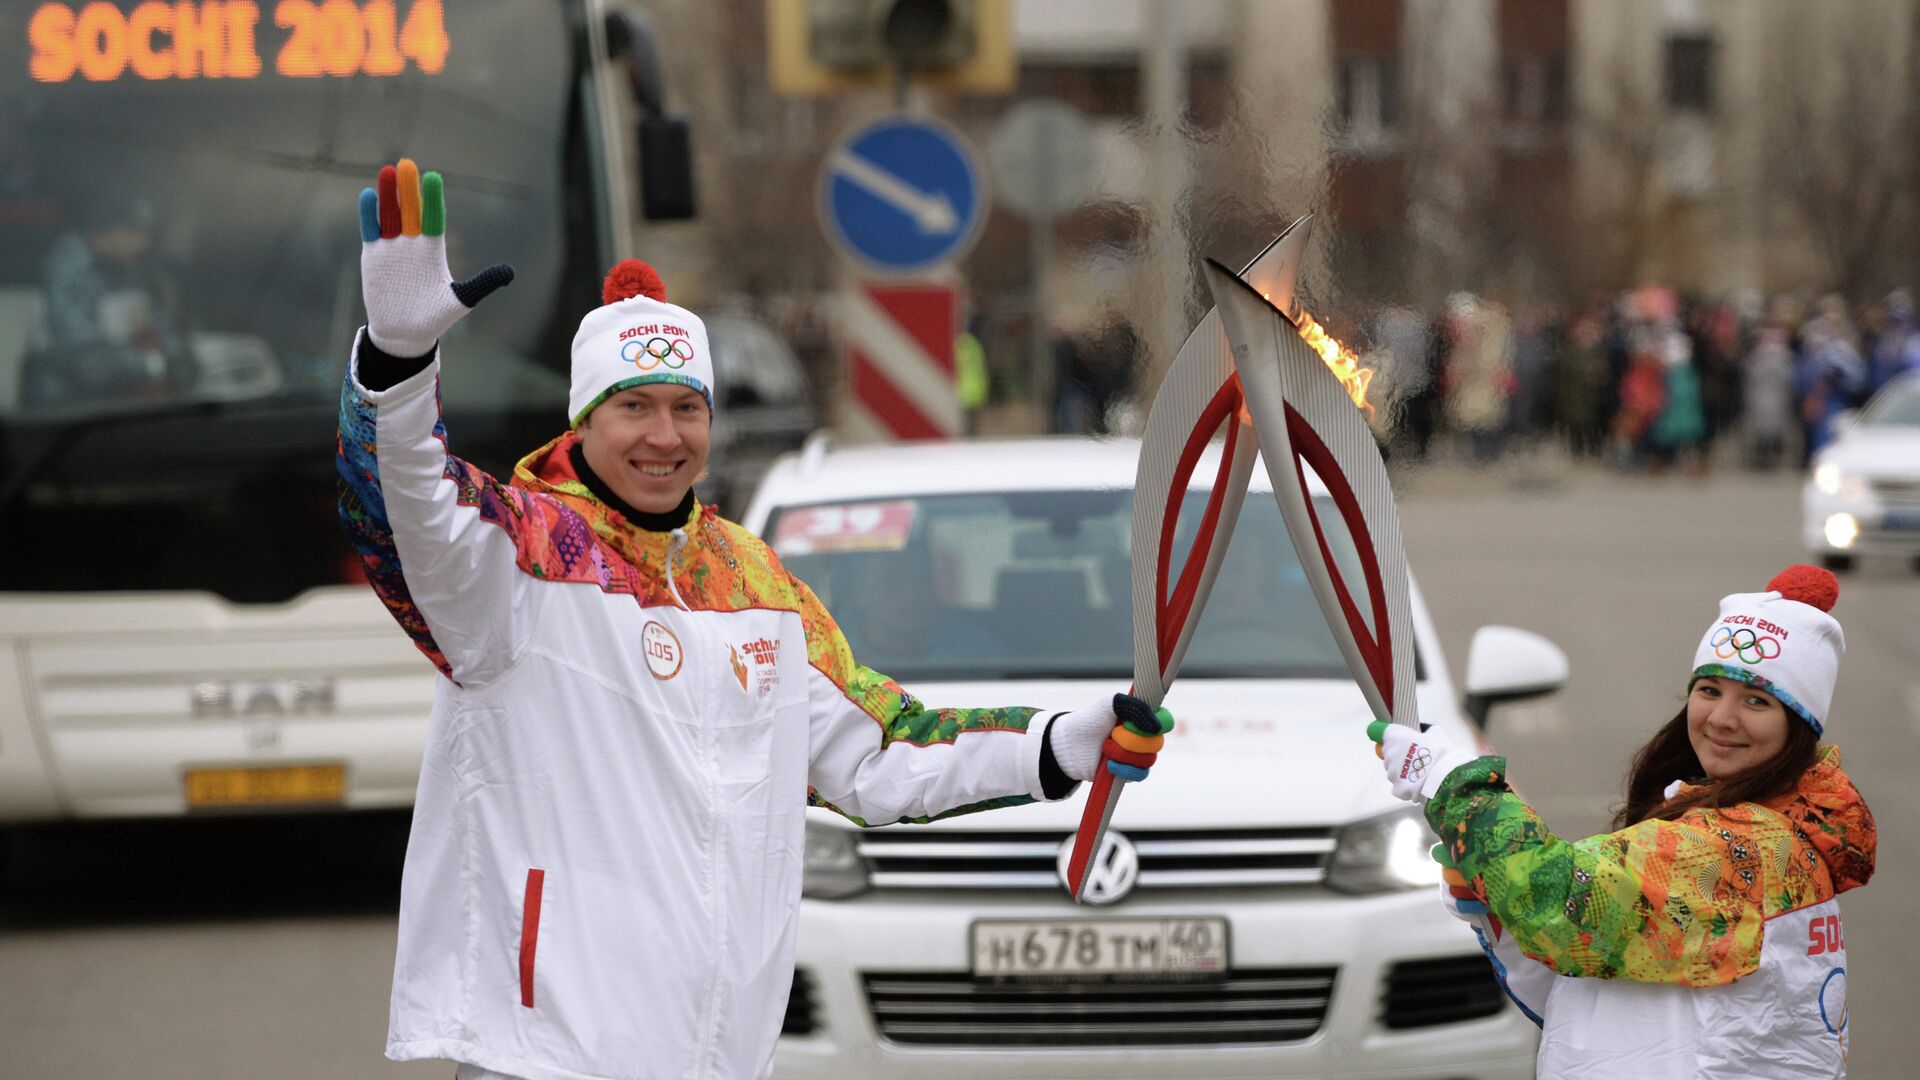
point(1026, 585)
point(179, 268)
point(1896, 406)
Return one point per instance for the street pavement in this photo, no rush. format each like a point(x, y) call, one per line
point(250, 948)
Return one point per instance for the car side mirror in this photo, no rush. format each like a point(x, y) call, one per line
point(1505, 664)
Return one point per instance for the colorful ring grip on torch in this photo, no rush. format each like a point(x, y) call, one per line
point(1463, 896)
point(1129, 739)
point(1130, 750)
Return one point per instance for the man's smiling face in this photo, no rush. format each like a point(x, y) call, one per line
point(649, 443)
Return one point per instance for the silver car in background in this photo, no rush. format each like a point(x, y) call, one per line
point(1272, 908)
point(1862, 496)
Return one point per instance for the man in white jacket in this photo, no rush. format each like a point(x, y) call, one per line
point(637, 703)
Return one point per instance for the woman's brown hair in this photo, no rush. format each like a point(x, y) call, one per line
point(1669, 756)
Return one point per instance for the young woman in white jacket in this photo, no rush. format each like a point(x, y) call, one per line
point(1702, 937)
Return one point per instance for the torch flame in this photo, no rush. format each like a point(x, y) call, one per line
point(1338, 358)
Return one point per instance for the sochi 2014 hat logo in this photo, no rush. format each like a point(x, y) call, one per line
point(662, 650)
point(1751, 648)
point(656, 346)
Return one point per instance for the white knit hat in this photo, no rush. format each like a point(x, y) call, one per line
point(1781, 641)
point(635, 339)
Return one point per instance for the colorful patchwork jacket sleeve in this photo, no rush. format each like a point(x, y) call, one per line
point(1682, 902)
point(880, 756)
point(436, 535)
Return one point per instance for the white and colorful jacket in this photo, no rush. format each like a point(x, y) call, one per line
point(1709, 946)
point(603, 878)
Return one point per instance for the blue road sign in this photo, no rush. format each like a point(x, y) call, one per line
point(901, 195)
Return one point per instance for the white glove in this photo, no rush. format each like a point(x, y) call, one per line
point(411, 297)
point(1077, 737)
point(1417, 761)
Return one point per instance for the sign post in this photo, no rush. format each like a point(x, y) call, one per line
point(1043, 165)
point(902, 198)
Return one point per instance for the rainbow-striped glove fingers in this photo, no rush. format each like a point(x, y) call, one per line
point(1122, 731)
point(1416, 761)
point(411, 298)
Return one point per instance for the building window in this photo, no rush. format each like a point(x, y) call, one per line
point(1690, 73)
point(1369, 99)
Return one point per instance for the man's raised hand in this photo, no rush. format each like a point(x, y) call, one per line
point(411, 297)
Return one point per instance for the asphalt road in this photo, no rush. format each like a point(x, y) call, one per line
point(249, 948)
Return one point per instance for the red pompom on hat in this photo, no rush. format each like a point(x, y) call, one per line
point(630, 278)
point(1808, 584)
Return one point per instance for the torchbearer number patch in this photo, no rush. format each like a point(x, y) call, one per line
point(662, 649)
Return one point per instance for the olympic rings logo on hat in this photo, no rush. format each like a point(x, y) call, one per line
point(657, 352)
point(1751, 648)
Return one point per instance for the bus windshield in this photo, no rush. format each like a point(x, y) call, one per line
point(179, 267)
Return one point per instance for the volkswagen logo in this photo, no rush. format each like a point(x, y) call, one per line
point(1114, 873)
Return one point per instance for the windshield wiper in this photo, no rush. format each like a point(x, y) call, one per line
point(69, 434)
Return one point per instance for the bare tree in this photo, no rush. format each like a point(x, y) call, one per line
point(1606, 236)
point(1839, 147)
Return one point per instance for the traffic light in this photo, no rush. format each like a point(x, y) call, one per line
point(818, 47)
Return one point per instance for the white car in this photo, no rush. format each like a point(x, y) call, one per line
point(1274, 911)
point(1862, 496)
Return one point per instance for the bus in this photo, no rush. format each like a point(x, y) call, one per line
point(184, 626)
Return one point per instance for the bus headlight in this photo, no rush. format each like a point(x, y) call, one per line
point(1842, 530)
point(1384, 853)
point(833, 869)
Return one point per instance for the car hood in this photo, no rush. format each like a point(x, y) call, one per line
point(1243, 754)
point(1876, 451)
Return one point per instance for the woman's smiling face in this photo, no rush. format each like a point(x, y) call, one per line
point(1733, 726)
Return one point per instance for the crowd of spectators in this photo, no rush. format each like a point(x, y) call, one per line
point(1645, 379)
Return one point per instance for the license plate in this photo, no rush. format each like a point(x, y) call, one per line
point(1900, 519)
point(278, 786)
point(1099, 948)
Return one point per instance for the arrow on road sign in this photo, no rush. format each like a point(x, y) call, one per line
point(901, 196)
point(931, 213)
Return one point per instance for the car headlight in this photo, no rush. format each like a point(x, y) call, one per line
point(833, 868)
point(1384, 853)
point(1831, 481)
point(1841, 530)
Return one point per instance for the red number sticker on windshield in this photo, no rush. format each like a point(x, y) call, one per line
point(812, 530)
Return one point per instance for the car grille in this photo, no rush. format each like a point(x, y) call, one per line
point(1254, 1006)
point(1897, 494)
point(801, 1018)
point(1425, 993)
point(1210, 859)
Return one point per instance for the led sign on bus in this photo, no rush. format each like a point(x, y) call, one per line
point(216, 39)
